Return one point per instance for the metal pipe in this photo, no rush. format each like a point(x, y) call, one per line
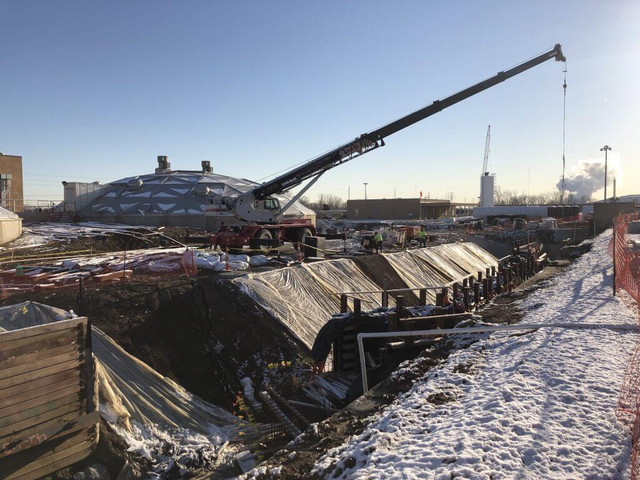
point(460, 331)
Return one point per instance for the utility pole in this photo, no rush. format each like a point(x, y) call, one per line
point(365, 189)
point(605, 149)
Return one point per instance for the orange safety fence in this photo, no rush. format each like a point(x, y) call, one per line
point(115, 269)
point(626, 263)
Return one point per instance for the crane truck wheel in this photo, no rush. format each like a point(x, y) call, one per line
point(303, 233)
point(264, 234)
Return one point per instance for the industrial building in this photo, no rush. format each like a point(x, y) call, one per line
point(400, 209)
point(11, 193)
point(166, 198)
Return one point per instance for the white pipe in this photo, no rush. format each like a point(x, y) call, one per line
point(460, 331)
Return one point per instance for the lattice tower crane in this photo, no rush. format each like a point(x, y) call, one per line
point(485, 163)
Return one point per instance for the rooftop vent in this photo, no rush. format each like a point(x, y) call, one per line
point(206, 166)
point(163, 164)
point(134, 183)
point(201, 190)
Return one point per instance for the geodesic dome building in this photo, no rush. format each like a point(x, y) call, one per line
point(166, 198)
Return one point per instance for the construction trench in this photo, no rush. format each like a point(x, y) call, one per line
point(275, 347)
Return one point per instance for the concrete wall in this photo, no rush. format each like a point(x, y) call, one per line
point(604, 213)
point(10, 229)
point(11, 165)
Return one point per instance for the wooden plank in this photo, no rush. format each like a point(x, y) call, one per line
point(21, 459)
point(26, 395)
point(41, 354)
point(44, 372)
point(38, 401)
point(72, 407)
point(54, 462)
point(39, 385)
point(28, 345)
point(42, 329)
point(38, 365)
point(59, 464)
point(46, 431)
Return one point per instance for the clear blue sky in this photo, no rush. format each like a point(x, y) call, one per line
point(96, 90)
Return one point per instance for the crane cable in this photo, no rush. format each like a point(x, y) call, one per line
point(564, 129)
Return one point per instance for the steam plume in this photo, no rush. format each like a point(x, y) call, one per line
point(588, 178)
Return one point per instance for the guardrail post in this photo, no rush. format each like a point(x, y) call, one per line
point(423, 296)
point(485, 289)
point(392, 324)
point(400, 306)
point(439, 299)
point(476, 294)
point(343, 303)
point(465, 296)
point(357, 312)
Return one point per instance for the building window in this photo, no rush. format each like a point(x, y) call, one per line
point(5, 189)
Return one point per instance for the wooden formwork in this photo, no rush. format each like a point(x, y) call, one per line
point(48, 399)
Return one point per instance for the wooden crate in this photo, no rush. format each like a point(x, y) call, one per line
point(48, 399)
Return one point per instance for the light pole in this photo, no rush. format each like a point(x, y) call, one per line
point(605, 149)
point(365, 189)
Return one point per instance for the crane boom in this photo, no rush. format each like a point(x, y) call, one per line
point(485, 163)
point(249, 206)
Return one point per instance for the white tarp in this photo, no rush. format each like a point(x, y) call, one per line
point(304, 298)
point(342, 276)
point(440, 265)
point(148, 410)
point(295, 297)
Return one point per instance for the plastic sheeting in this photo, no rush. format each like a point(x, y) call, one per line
point(132, 389)
point(304, 298)
point(469, 256)
point(343, 275)
point(293, 296)
point(416, 272)
point(440, 265)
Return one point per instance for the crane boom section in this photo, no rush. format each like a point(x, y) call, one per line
point(374, 139)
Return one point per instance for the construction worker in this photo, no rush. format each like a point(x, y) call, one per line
point(377, 240)
point(422, 237)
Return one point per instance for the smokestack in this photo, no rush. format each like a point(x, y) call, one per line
point(163, 164)
point(206, 166)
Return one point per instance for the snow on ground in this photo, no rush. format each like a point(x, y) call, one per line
point(530, 405)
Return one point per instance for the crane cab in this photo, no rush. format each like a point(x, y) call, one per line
point(269, 203)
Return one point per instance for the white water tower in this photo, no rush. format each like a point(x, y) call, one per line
point(486, 189)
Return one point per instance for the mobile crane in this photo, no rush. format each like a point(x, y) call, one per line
point(264, 213)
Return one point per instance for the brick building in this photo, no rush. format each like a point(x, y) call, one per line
point(11, 193)
point(400, 209)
